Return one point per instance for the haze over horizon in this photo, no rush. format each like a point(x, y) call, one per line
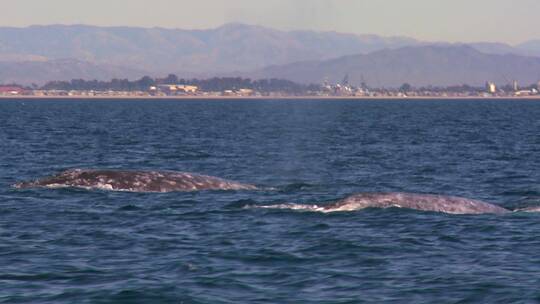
point(445, 20)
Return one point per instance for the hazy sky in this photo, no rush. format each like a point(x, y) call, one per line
point(510, 21)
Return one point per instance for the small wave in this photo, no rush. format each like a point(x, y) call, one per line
point(295, 187)
point(535, 209)
point(240, 204)
point(129, 208)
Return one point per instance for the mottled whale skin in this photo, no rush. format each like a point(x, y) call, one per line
point(422, 202)
point(134, 181)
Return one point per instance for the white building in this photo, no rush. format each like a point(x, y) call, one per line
point(177, 89)
point(491, 88)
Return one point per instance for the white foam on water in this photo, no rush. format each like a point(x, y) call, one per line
point(296, 207)
point(103, 186)
point(535, 209)
point(321, 209)
point(57, 186)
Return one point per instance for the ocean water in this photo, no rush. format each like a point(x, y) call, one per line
point(76, 246)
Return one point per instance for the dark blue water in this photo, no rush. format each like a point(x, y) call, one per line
point(75, 246)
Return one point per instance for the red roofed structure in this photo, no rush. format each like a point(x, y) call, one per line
point(11, 90)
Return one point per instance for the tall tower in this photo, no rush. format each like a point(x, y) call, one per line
point(491, 87)
point(515, 86)
point(345, 81)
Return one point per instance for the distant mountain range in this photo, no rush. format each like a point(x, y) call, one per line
point(233, 47)
point(60, 52)
point(418, 66)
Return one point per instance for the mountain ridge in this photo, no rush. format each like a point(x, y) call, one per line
point(233, 49)
point(189, 51)
point(417, 65)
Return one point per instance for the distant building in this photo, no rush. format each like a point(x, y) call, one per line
point(190, 89)
point(526, 92)
point(361, 92)
point(11, 90)
point(246, 92)
point(345, 81)
point(176, 89)
point(515, 86)
point(491, 88)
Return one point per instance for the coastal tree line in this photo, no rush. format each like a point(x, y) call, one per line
point(220, 84)
point(215, 84)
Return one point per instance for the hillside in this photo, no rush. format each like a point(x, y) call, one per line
point(233, 47)
point(419, 66)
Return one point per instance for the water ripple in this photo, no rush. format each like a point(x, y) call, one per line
point(76, 246)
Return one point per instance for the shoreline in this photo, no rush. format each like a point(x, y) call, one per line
point(4, 98)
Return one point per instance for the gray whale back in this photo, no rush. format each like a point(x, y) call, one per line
point(423, 202)
point(134, 181)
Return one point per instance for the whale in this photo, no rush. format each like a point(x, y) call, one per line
point(134, 181)
point(422, 202)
